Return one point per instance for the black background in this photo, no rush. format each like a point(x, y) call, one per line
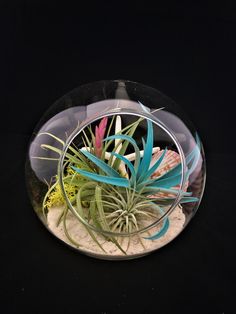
point(185, 50)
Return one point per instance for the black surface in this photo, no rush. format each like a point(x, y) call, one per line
point(186, 51)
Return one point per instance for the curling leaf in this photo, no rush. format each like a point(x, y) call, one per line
point(98, 198)
point(161, 232)
point(130, 140)
point(131, 129)
point(163, 229)
point(129, 165)
point(101, 164)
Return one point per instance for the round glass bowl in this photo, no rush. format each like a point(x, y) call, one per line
point(115, 169)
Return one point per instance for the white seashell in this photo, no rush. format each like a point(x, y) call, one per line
point(170, 160)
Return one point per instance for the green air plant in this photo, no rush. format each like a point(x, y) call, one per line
point(114, 191)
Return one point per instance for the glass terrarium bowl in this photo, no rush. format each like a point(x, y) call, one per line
point(115, 169)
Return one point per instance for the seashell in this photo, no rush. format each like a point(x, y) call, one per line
point(170, 160)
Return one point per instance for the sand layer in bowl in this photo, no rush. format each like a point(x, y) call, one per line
point(135, 248)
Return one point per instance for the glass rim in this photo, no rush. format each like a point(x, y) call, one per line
point(112, 112)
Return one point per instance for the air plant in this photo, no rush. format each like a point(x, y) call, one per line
point(115, 191)
point(130, 197)
point(99, 136)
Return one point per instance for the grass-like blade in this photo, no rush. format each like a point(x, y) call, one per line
point(59, 152)
point(81, 215)
point(105, 225)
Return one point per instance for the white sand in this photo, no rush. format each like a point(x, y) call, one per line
point(87, 245)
